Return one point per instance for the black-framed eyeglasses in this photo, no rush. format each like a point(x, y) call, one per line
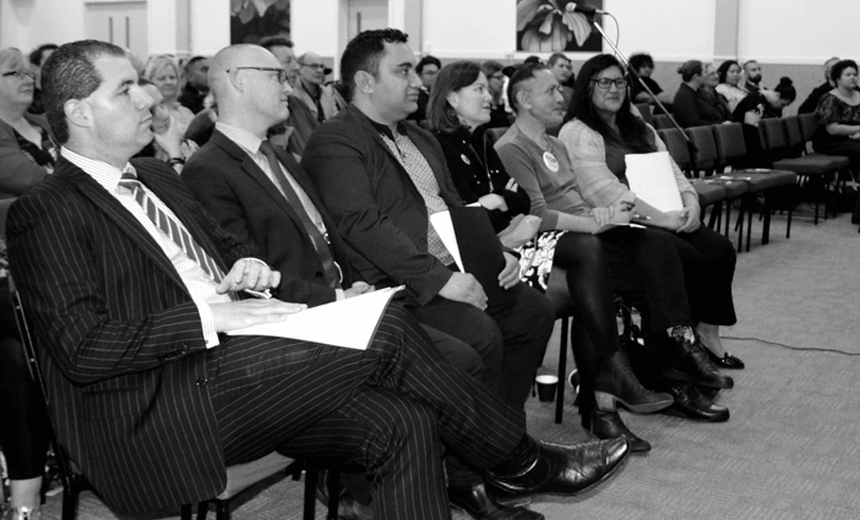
point(20, 74)
point(604, 83)
point(282, 74)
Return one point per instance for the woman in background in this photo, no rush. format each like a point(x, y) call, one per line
point(693, 104)
point(838, 116)
point(729, 76)
point(163, 72)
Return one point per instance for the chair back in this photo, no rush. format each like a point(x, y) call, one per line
point(645, 111)
point(773, 135)
point(492, 135)
point(729, 140)
point(793, 135)
point(808, 125)
point(660, 121)
point(676, 143)
point(704, 157)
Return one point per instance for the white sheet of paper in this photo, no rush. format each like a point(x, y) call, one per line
point(652, 180)
point(441, 222)
point(348, 323)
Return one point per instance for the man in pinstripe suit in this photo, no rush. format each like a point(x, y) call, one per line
point(153, 402)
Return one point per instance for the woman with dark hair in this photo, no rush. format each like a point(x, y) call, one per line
point(694, 105)
point(599, 132)
point(838, 115)
point(729, 76)
point(643, 64)
point(458, 105)
point(753, 108)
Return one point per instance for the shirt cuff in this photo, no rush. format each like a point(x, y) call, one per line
point(207, 322)
point(340, 294)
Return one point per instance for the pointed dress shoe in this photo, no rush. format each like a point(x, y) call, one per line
point(480, 506)
point(691, 364)
point(726, 361)
point(608, 425)
point(691, 403)
point(559, 469)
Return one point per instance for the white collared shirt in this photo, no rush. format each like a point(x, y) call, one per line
point(199, 285)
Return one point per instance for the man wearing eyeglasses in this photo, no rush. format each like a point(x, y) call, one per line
point(321, 98)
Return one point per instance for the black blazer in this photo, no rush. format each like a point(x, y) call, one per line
point(127, 365)
point(377, 208)
point(246, 203)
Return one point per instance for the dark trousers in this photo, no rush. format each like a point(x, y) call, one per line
point(385, 408)
point(23, 419)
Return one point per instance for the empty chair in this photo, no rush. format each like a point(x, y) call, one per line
point(660, 121)
point(644, 111)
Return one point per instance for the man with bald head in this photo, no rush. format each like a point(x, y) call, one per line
point(323, 100)
point(152, 397)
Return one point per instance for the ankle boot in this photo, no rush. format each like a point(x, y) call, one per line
point(615, 382)
point(688, 362)
point(690, 402)
point(608, 425)
point(481, 506)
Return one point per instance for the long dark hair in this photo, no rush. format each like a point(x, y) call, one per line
point(634, 133)
point(450, 78)
point(723, 70)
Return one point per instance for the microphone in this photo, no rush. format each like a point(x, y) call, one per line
point(587, 10)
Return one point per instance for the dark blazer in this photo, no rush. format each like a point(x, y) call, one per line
point(377, 208)
point(18, 173)
point(247, 204)
point(126, 368)
point(696, 107)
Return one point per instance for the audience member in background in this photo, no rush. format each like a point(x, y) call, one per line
point(562, 68)
point(644, 65)
point(27, 156)
point(752, 109)
point(649, 265)
point(752, 73)
point(458, 106)
point(426, 69)
point(37, 59)
point(496, 80)
point(137, 63)
point(694, 104)
point(322, 99)
point(161, 70)
point(729, 76)
point(293, 134)
point(196, 84)
point(838, 115)
point(600, 131)
point(809, 104)
point(169, 143)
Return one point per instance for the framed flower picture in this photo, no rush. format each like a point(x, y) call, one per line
point(547, 26)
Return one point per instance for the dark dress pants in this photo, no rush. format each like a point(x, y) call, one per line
point(385, 408)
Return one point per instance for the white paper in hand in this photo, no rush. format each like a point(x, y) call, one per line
point(652, 180)
point(441, 222)
point(348, 323)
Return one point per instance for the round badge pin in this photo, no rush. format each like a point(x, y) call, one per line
point(550, 161)
point(465, 159)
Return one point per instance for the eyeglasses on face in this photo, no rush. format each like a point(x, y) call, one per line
point(20, 74)
point(604, 83)
point(282, 74)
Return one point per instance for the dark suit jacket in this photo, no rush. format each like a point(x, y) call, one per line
point(127, 364)
point(246, 203)
point(377, 208)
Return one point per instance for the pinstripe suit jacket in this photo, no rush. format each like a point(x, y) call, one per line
point(127, 364)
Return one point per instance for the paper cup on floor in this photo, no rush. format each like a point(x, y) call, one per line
point(546, 386)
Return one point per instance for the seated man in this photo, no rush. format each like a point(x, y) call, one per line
point(381, 178)
point(196, 84)
point(123, 275)
point(323, 100)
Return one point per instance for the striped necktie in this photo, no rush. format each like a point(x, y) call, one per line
point(170, 226)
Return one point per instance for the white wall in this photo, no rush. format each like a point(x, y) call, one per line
point(775, 31)
point(315, 26)
point(26, 24)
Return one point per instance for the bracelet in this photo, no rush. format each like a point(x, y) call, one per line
point(173, 161)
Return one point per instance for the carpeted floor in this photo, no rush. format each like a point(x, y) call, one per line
point(790, 450)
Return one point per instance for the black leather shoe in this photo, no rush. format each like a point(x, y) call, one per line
point(481, 506)
point(691, 403)
point(727, 361)
point(559, 469)
point(608, 425)
point(690, 363)
point(615, 383)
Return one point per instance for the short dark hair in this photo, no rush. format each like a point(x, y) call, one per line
point(785, 89)
point(192, 61)
point(451, 78)
point(427, 60)
point(633, 132)
point(840, 66)
point(724, 67)
point(639, 60)
point(275, 40)
point(555, 57)
point(70, 73)
point(364, 52)
point(524, 73)
point(689, 69)
point(36, 55)
point(532, 59)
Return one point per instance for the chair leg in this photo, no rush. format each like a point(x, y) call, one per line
point(749, 211)
point(70, 504)
point(310, 492)
point(185, 512)
point(788, 224)
point(562, 368)
point(222, 510)
point(203, 510)
point(765, 227)
point(333, 486)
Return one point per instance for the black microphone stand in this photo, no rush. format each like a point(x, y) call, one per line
point(636, 75)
